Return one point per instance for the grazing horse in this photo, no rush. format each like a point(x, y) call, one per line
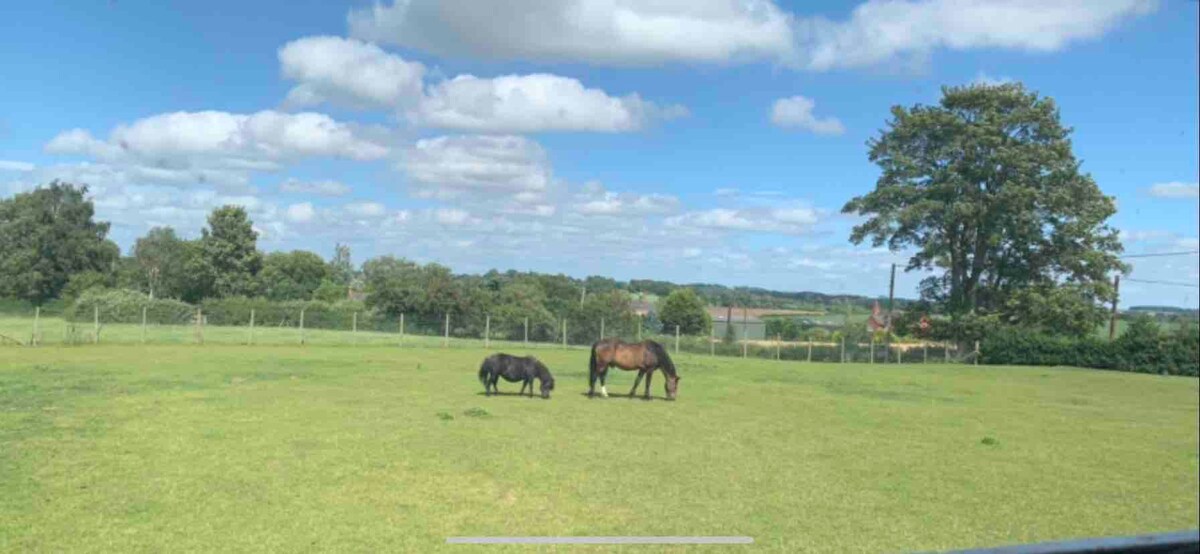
point(514, 369)
point(645, 357)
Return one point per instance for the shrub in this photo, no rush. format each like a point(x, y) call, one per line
point(125, 306)
point(1142, 349)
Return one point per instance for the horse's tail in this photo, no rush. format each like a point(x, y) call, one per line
point(483, 371)
point(592, 362)
point(664, 359)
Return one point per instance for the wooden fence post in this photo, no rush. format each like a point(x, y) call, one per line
point(945, 352)
point(354, 329)
point(976, 352)
point(564, 332)
point(446, 333)
point(96, 324)
point(601, 328)
point(640, 333)
point(251, 326)
point(676, 340)
point(143, 324)
point(843, 350)
point(301, 325)
point(872, 349)
point(199, 326)
point(778, 338)
point(712, 339)
point(527, 332)
point(810, 350)
point(401, 329)
point(925, 352)
point(487, 331)
point(37, 320)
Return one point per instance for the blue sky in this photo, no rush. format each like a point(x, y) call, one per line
point(728, 133)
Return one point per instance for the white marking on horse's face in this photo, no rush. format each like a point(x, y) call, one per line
point(604, 391)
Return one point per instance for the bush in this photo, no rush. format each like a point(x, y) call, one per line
point(1142, 349)
point(125, 306)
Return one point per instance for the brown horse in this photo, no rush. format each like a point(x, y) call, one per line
point(645, 357)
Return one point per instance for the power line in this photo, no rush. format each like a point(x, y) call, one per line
point(1158, 254)
point(1153, 282)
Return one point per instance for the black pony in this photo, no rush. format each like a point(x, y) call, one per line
point(514, 369)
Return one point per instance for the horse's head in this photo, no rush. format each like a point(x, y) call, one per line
point(672, 386)
point(547, 386)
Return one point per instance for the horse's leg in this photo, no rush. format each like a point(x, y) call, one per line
point(529, 381)
point(592, 382)
point(495, 378)
point(603, 377)
point(649, 373)
point(636, 382)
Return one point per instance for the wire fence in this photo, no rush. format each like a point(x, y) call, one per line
point(318, 327)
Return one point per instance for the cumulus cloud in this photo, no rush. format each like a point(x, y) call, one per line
point(301, 213)
point(458, 166)
point(599, 31)
point(241, 141)
point(1175, 189)
point(12, 165)
point(326, 187)
point(983, 78)
point(348, 72)
point(796, 112)
point(789, 221)
point(595, 200)
point(625, 32)
point(531, 103)
point(366, 209)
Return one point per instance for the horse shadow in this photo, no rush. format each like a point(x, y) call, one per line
point(520, 394)
point(623, 396)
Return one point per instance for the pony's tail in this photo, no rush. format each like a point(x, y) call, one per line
point(664, 359)
point(483, 371)
point(592, 362)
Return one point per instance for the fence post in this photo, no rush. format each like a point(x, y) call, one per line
point(640, 333)
point(96, 324)
point(527, 332)
point(354, 329)
point(446, 333)
point(872, 349)
point(487, 331)
point(810, 350)
point(778, 338)
point(143, 324)
point(976, 352)
point(946, 352)
point(676, 340)
point(199, 326)
point(925, 352)
point(601, 328)
point(37, 316)
point(401, 329)
point(712, 340)
point(251, 326)
point(843, 350)
point(564, 332)
point(301, 325)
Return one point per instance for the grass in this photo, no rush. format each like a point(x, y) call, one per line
point(131, 448)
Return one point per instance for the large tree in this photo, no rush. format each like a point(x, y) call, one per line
point(230, 249)
point(161, 257)
point(985, 189)
point(685, 309)
point(46, 236)
point(292, 275)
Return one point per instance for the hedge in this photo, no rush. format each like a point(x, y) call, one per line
point(125, 306)
point(1143, 351)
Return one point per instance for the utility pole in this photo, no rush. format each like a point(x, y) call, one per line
point(1112, 320)
point(888, 327)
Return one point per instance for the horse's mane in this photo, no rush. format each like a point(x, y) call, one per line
point(664, 359)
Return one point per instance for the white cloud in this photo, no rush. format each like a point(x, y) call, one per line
point(222, 139)
point(624, 32)
point(20, 167)
point(796, 112)
point(531, 103)
point(599, 31)
point(452, 216)
point(301, 213)
point(457, 166)
point(326, 187)
point(1175, 189)
point(982, 78)
point(366, 209)
point(348, 72)
point(790, 221)
point(597, 201)
point(881, 31)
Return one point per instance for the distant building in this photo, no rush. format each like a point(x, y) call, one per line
point(877, 321)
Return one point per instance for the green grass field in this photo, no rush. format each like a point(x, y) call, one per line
point(170, 448)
